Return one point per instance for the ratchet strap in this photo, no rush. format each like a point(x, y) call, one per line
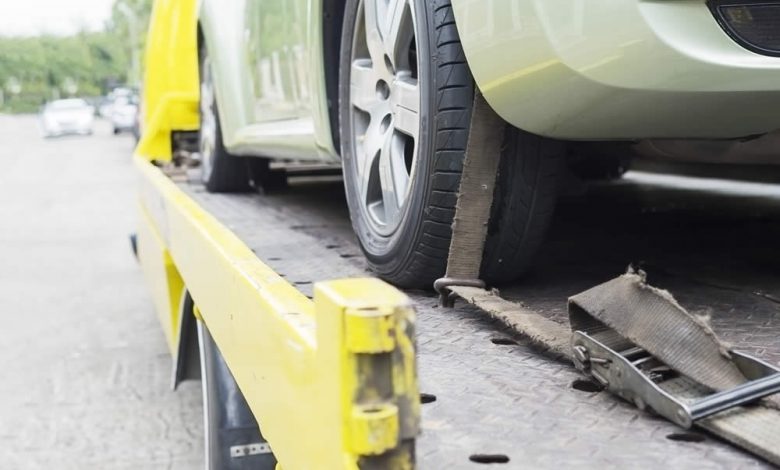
point(691, 363)
point(475, 198)
point(633, 338)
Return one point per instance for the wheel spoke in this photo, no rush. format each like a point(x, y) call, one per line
point(398, 29)
point(362, 85)
point(365, 176)
point(406, 106)
point(389, 197)
point(400, 174)
point(393, 177)
point(368, 150)
point(385, 107)
point(373, 33)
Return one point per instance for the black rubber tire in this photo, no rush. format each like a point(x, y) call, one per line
point(263, 178)
point(229, 421)
point(416, 254)
point(523, 205)
point(229, 173)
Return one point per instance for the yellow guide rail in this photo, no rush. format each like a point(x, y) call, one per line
point(314, 372)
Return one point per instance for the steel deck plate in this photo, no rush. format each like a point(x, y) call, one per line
point(508, 399)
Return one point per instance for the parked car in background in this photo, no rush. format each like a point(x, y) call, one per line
point(124, 114)
point(105, 107)
point(138, 125)
point(68, 116)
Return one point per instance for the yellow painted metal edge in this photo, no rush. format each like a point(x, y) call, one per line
point(313, 372)
point(162, 278)
point(171, 91)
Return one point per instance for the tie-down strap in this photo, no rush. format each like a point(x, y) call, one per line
point(475, 198)
point(680, 363)
point(635, 339)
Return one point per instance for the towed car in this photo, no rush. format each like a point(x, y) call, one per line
point(68, 116)
point(385, 88)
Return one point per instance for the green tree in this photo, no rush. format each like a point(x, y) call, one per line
point(94, 61)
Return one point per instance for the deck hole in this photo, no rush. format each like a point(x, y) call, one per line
point(586, 386)
point(331, 247)
point(427, 398)
point(503, 341)
point(489, 458)
point(302, 283)
point(686, 437)
point(273, 258)
point(347, 256)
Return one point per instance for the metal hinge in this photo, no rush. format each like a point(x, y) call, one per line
point(635, 375)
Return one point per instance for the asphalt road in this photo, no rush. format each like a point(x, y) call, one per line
point(86, 371)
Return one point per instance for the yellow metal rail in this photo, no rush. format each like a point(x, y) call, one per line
point(171, 92)
point(332, 382)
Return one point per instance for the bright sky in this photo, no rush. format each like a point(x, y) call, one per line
point(32, 17)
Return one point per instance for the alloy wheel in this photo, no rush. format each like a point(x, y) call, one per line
point(385, 109)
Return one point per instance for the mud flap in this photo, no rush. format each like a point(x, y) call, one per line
point(233, 438)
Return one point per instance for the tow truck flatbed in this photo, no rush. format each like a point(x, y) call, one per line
point(491, 397)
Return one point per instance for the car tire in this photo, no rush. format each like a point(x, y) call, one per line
point(263, 178)
point(414, 252)
point(523, 204)
point(229, 426)
point(220, 171)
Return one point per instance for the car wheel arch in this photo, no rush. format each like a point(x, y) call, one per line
point(332, 25)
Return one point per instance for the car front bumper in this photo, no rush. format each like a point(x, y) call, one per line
point(123, 121)
point(58, 129)
point(617, 69)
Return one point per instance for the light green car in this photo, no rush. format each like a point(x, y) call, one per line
point(385, 88)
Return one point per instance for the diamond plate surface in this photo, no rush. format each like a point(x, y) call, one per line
point(507, 399)
point(715, 251)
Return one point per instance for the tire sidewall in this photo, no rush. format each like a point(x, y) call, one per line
point(388, 254)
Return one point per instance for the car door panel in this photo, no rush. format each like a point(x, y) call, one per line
point(269, 77)
point(267, 37)
point(225, 46)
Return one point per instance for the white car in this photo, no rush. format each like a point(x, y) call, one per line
point(124, 114)
point(68, 116)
